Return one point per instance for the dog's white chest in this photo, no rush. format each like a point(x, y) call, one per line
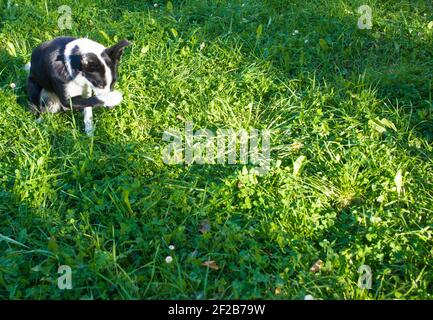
point(80, 86)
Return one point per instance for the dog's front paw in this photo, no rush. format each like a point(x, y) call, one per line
point(111, 99)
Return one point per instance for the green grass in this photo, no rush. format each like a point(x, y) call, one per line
point(357, 104)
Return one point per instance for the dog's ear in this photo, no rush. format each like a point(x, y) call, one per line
point(115, 52)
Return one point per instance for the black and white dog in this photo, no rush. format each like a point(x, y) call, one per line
point(79, 74)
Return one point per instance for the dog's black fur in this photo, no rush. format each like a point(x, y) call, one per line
point(54, 72)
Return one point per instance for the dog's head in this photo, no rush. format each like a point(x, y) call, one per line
point(99, 65)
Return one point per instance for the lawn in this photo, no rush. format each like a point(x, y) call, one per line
point(350, 183)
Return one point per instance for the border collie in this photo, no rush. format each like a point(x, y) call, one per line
point(79, 74)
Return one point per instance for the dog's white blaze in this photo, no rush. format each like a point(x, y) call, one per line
point(85, 46)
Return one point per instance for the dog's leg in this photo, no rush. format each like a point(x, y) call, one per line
point(50, 102)
point(88, 114)
point(88, 121)
point(34, 93)
point(110, 99)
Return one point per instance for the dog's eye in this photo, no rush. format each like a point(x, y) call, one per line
point(90, 67)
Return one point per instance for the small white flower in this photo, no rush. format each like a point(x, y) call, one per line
point(399, 182)
point(306, 41)
point(202, 45)
point(13, 85)
point(375, 219)
point(308, 297)
point(169, 259)
point(171, 247)
point(295, 32)
point(155, 5)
